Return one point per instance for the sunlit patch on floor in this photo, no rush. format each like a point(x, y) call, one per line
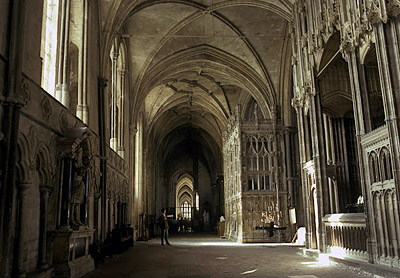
point(249, 272)
point(316, 264)
point(221, 258)
point(303, 276)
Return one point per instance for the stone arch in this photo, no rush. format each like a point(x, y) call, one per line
point(43, 165)
point(260, 88)
point(120, 13)
point(375, 110)
point(373, 167)
point(385, 164)
point(252, 111)
point(23, 158)
point(330, 51)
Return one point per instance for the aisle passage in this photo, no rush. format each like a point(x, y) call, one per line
point(211, 257)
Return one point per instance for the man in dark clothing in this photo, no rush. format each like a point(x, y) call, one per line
point(163, 223)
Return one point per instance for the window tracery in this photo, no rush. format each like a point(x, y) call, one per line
point(380, 167)
point(258, 153)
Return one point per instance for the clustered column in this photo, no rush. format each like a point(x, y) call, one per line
point(62, 93)
point(44, 198)
point(121, 148)
point(22, 187)
point(114, 116)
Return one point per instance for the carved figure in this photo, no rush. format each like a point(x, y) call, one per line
point(78, 189)
point(77, 197)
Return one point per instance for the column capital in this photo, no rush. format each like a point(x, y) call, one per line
point(122, 71)
point(114, 55)
point(22, 186)
point(102, 82)
point(43, 188)
point(67, 147)
point(133, 130)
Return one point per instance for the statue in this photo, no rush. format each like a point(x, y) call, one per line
point(78, 190)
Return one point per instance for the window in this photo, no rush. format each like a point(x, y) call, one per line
point(186, 211)
point(48, 50)
point(373, 167)
point(385, 164)
point(380, 169)
point(258, 162)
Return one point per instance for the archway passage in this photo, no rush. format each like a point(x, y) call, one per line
point(189, 189)
point(192, 65)
point(184, 197)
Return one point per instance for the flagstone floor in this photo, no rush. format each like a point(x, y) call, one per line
point(207, 256)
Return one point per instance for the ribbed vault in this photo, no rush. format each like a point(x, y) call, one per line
point(190, 63)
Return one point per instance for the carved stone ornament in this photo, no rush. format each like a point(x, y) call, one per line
point(63, 121)
point(25, 94)
point(393, 8)
point(374, 12)
point(46, 109)
point(67, 147)
point(306, 105)
point(33, 143)
point(297, 102)
point(348, 43)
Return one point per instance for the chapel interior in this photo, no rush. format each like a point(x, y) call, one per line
point(259, 121)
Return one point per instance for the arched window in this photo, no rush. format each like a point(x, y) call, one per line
point(117, 98)
point(185, 196)
point(48, 49)
point(385, 164)
point(258, 162)
point(73, 64)
point(186, 210)
point(373, 167)
point(374, 90)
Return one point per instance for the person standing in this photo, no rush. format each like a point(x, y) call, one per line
point(163, 223)
point(180, 223)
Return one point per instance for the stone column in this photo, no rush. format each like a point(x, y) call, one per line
point(65, 192)
point(116, 213)
point(301, 119)
point(91, 206)
point(44, 198)
point(22, 187)
point(388, 53)
point(121, 147)
point(82, 107)
point(289, 169)
point(102, 84)
point(98, 213)
point(106, 222)
point(111, 214)
point(360, 127)
point(62, 93)
point(114, 117)
point(319, 158)
point(9, 125)
point(307, 139)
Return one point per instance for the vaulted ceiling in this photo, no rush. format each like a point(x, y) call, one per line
point(191, 62)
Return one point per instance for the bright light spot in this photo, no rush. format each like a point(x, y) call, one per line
point(233, 243)
point(308, 263)
point(315, 264)
point(324, 259)
point(248, 272)
point(338, 252)
point(303, 276)
point(221, 258)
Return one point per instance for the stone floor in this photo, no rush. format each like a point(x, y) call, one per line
point(207, 256)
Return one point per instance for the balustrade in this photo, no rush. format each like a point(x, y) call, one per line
point(346, 231)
